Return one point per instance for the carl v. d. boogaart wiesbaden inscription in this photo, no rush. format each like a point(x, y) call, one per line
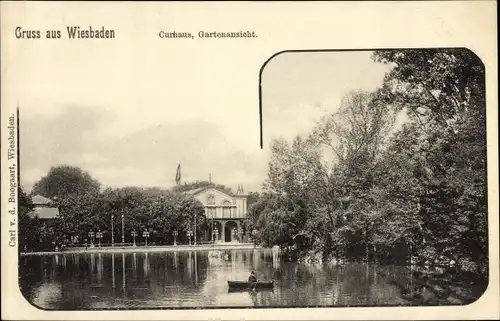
point(12, 165)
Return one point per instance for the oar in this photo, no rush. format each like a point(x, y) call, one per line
point(256, 280)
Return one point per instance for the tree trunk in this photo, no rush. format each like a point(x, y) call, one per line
point(366, 246)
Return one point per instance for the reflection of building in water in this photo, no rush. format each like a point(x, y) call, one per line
point(113, 269)
point(99, 268)
point(225, 212)
point(276, 263)
point(176, 265)
point(134, 264)
point(196, 267)
point(215, 260)
point(191, 270)
point(256, 258)
point(189, 264)
point(123, 272)
point(92, 263)
point(233, 259)
point(146, 265)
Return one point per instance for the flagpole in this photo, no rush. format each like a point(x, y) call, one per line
point(178, 175)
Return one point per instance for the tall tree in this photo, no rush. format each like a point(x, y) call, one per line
point(360, 125)
point(252, 198)
point(296, 174)
point(354, 137)
point(443, 93)
point(64, 180)
point(29, 227)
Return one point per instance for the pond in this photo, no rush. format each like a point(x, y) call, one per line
point(198, 279)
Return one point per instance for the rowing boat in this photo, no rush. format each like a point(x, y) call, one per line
point(244, 285)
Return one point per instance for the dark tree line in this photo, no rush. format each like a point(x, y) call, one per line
point(360, 187)
point(84, 207)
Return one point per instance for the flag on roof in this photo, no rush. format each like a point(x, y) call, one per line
point(178, 174)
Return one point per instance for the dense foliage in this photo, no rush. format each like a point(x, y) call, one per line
point(29, 227)
point(363, 186)
point(64, 180)
point(157, 211)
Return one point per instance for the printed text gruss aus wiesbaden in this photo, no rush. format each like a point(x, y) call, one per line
point(72, 32)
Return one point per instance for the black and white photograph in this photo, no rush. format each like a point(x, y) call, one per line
point(207, 161)
point(370, 191)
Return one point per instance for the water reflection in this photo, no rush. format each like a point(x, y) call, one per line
point(123, 273)
point(113, 268)
point(196, 268)
point(199, 279)
point(146, 265)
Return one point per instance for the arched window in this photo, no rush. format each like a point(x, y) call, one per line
point(211, 199)
point(226, 210)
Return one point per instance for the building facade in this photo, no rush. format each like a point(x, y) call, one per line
point(42, 208)
point(225, 213)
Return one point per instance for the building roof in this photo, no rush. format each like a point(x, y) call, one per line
point(40, 200)
point(201, 189)
point(45, 212)
point(196, 190)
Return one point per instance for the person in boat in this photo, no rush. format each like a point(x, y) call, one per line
point(252, 277)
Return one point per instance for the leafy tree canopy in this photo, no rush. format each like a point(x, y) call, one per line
point(65, 180)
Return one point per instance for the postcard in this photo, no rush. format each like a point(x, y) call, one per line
point(247, 160)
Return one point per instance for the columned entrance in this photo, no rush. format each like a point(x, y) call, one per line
point(225, 231)
point(215, 228)
point(230, 231)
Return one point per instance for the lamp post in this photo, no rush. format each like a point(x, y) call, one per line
point(91, 236)
point(134, 234)
point(213, 231)
point(145, 235)
point(189, 234)
point(99, 236)
point(194, 229)
point(254, 234)
point(175, 237)
point(240, 234)
point(123, 232)
point(112, 231)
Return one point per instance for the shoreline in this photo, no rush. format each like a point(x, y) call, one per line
point(154, 248)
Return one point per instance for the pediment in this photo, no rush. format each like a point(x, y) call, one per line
point(214, 196)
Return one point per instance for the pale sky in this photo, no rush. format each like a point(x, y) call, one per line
point(128, 121)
